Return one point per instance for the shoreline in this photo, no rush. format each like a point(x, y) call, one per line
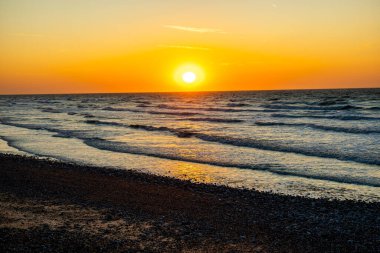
point(46, 205)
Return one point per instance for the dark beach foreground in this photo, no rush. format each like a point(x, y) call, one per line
point(48, 206)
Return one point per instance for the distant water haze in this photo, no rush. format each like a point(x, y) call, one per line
point(312, 143)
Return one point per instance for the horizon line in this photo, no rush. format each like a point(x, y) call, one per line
point(200, 91)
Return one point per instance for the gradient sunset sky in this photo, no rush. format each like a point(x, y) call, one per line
point(90, 46)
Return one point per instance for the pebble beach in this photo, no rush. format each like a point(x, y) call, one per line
point(51, 206)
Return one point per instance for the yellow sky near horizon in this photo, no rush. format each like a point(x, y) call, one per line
point(86, 46)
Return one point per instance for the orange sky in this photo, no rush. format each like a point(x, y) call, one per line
point(89, 46)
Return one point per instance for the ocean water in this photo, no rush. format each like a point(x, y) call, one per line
point(323, 143)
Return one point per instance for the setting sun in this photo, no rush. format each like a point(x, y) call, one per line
point(189, 77)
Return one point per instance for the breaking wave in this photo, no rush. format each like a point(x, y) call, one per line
point(336, 117)
point(321, 127)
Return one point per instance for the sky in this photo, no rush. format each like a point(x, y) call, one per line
point(92, 46)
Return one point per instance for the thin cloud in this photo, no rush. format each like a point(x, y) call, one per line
point(28, 35)
point(185, 47)
point(194, 29)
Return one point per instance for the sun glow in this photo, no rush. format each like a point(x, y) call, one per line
point(189, 74)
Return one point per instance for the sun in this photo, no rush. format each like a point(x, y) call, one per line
point(189, 77)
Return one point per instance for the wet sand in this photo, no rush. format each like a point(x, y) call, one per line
point(48, 206)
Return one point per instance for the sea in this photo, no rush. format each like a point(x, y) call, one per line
point(311, 143)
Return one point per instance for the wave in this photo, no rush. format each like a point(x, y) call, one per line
point(61, 132)
point(48, 102)
point(100, 123)
point(143, 105)
point(152, 112)
point(179, 133)
point(337, 117)
point(327, 103)
point(175, 113)
point(87, 115)
point(208, 109)
point(216, 120)
point(320, 127)
point(102, 144)
point(231, 110)
point(143, 102)
point(332, 178)
point(177, 108)
point(164, 106)
point(260, 144)
point(313, 108)
point(373, 108)
point(271, 146)
point(62, 135)
point(50, 110)
point(238, 104)
point(237, 100)
point(273, 168)
point(233, 141)
point(113, 109)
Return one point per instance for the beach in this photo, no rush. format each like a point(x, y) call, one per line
point(51, 206)
point(189, 126)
